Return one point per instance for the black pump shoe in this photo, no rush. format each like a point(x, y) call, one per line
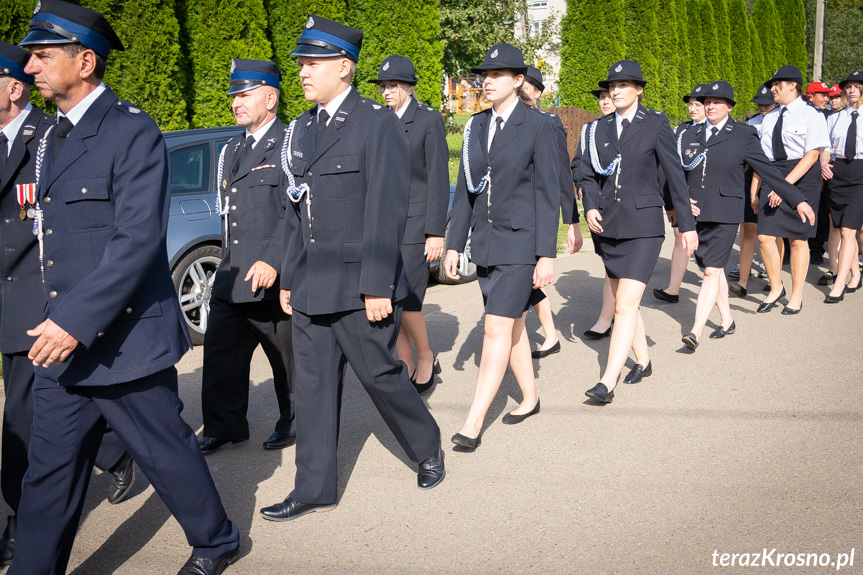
point(590, 334)
point(424, 387)
point(768, 305)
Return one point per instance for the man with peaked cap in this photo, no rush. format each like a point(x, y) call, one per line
point(22, 297)
point(343, 276)
point(112, 329)
point(244, 309)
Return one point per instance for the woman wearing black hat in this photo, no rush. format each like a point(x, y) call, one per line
point(792, 137)
point(530, 93)
point(624, 209)
point(509, 191)
point(845, 174)
point(429, 196)
point(713, 156)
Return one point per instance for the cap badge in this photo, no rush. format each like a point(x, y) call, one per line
point(698, 89)
point(386, 66)
point(715, 86)
point(763, 90)
point(310, 22)
point(233, 65)
point(493, 54)
point(855, 73)
point(619, 68)
point(38, 7)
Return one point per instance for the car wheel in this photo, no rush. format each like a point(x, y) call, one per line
point(466, 268)
point(193, 281)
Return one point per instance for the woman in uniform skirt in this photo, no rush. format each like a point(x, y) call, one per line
point(429, 197)
point(509, 191)
point(713, 155)
point(624, 209)
point(845, 175)
point(792, 137)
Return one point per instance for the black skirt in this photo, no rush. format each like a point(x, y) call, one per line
point(846, 194)
point(783, 221)
point(417, 272)
point(506, 290)
point(631, 258)
point(715, 243)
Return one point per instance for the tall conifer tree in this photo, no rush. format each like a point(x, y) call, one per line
point(695, 27)
point(642, 45)
point(793, 25)
point(766, 20)
point(669, 56)
point(742, 78)
point(723, 36)
point(712, 66)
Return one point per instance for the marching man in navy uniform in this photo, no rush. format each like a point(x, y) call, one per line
point(112, 329)
point(22, 298)
point(244, 309)
point(348, 171)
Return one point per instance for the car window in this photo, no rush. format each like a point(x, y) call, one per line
point(190, 169)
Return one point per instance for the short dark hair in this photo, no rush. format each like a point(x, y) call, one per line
point(73, 49)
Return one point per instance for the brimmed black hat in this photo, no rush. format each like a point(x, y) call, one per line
point(787, 72)
point(534, 77)
point(323, 38)
point(763, 96)
point(697, 91)
point(718, 89)
point(396, 69)
point(57, 22)
point(624, 70)
point(598, 92)
point(12, 62)
point(250, 74)
point(502, 57)
point(855, 76)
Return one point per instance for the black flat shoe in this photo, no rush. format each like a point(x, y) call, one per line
point(827, 279)
point(424, 387)
point(290, 509)
point(788, 311)
point(721, 332)
point(637, 373)
point(540, 353)
point(737, 290)
point(467, 442)
point(768, 305)
point(202, 566)
point(279, 441)
point(660, 294)
point(511, 419)
point(208, 444)
point(690, 341)
point(122, 479)
point(600, 393)
point(431, 471)
point(590, 334)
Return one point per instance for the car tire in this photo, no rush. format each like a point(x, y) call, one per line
point(467, 269)
point(193, 283)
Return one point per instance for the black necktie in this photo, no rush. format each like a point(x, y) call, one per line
point(625, 124)
point(851, 138)
point(4, 152)
point(244, 152)
point(321, 128)
point(713, 131)
point(498, 126)
point(779, 153)
point(64, 126)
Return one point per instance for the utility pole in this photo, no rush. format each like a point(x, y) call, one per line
point(819, 40)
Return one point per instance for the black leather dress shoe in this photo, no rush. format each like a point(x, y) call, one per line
point(122, 479)
point(431, 471)
point(590, 334)
point(637, 373)
point(690, 341)
point(768, 305)
point(600, 393)
point(737, 290)
point(540, 353)
point(208, 444)
point(203, 566)
point(660, 294)
point(511, 419)
point(720, 332)
point(290, 509)
point(280, 441)
point(788, 311)
point(467, 442)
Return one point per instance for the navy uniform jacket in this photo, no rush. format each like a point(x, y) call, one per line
point(636, 210)
point(359, 179)
point(256, 202)
point(22, 297)
point(722, 198)
point(429, 157)
point(105, 200)
point(568, 207)
point(521, 224)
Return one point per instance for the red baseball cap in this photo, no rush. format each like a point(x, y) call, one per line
point(835, 90)
point(818, 88)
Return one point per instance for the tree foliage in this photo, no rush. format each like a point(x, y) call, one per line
point(724, 45)
point(712, 57)
point(766, 19)
point(741, 79)
point(793, 27)
point(642, 45)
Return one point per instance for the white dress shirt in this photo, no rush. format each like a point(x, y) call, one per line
point(804, 129)
point(12, 128)
point(838, 124)
point(75, 114)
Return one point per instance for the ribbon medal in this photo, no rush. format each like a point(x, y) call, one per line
point(26, 194)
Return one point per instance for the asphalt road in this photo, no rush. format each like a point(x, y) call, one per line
point(750, 444)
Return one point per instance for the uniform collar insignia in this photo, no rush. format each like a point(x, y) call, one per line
point(271, 142)
point(298, 154)
point(604, 145)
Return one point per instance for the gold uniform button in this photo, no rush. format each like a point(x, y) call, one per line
point(128, 310)
point(392, 288)
point(84, 191)
point(47, 200)
point(50, 263)
point(52, 295)
point(49, 232)
point(308, 174)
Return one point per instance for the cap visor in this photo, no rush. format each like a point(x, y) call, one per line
point(487, 67)
point(43, 37)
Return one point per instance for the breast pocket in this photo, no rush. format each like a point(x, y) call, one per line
point(338, 178)
point(730, 192)
point(88, 204)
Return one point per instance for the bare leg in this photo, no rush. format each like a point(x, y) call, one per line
point(606, 314)
point(522, 367)
point(639, 342)
point(543, 312)
point(627, 295)
point(748, 237)
point(679, 260)
point(707, 298)
point(799, 267)
point(415, 324)
point(404, 349)
point(847, 262)
point(722, 302)
point(771, 254)
point(833, 247)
